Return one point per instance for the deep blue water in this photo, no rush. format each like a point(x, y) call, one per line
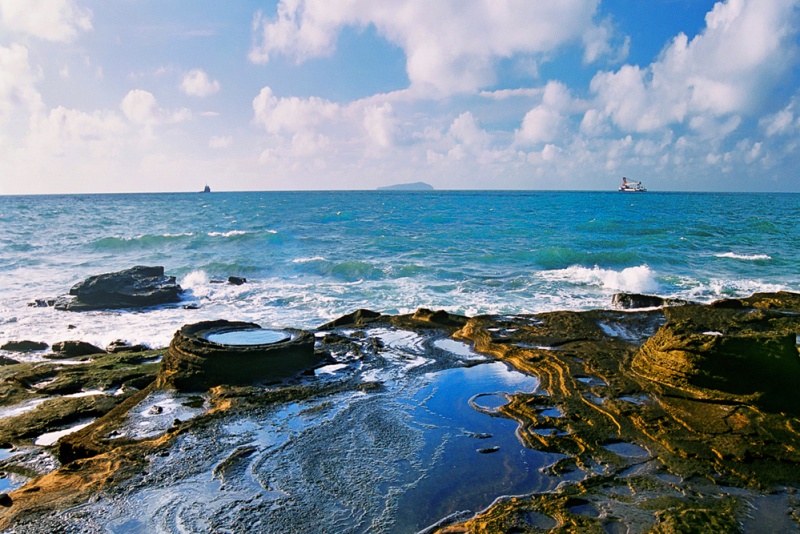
point(311, 256)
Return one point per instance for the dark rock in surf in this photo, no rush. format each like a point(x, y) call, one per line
point(136, 287)
point(24, 346)
point(635, 301)
point(237, 280)
point(358, 318)
point(74, 349)
point(7, 361)
point(123, 346)
point(440, 317)
point(42, 303)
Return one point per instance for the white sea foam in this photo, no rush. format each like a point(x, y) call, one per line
point(230, 233)
point(308, 260)
point(639, 279)
point(746, 257)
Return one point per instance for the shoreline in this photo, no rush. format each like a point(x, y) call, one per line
point(638, 422)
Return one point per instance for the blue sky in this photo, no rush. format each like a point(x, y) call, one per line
point(148, 95)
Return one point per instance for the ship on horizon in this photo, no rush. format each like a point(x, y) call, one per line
point(631, 186)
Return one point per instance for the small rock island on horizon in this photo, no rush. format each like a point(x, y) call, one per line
point(415, 186)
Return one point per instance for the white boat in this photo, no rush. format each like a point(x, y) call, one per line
point(631, 186)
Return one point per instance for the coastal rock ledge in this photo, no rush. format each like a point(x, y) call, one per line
point(136, 287)
point(195, 363)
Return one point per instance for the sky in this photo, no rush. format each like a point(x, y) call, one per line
point(152, 95)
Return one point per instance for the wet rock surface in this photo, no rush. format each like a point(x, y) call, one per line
point(675, 419)
point(139, 286)
point(23, 346)
point(195, 363)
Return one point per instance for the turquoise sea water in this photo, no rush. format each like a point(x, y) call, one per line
point(312, 256)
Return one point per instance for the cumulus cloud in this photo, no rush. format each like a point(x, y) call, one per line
point(65, 129)
point(51, 20)
point(783, 122)
point(546, 122)
point(379, 122)
point(17, 82)
point(197, 83)
point(450, 45)
point(727, 69)
point(292, 114)
point(141, 107)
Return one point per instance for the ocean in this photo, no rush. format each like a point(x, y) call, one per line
point(309, 257)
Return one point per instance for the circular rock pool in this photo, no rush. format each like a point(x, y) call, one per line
point(247, 337)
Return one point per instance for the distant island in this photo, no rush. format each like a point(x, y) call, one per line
point(416, 186)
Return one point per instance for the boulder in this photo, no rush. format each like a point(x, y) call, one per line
point(119, 345)
point(725, 355)
point(439, 318)
point(193, 363)
point(237, 280)
point(358, 318)
point(634, 301)
point(74, 349)
point(7, 361)
point(132, 288)
point(24, 346)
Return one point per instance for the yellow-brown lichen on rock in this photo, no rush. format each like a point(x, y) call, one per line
point(709, 392)
point(741, 364)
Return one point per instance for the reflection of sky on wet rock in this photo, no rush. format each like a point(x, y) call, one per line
point(252, 336)
point(396, 459)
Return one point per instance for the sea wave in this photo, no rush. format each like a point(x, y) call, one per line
point(639, 279)
point(142, 240)
point(230, 233)
point(746, 257)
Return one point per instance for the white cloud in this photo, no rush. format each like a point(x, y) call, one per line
point(141, 107)
point(546, 122)
point(63, 130)
point(467, 133)
point(197, 83)
point(51, 20)
point(292, 114)
point(17, 82)
point(379, 122)
point(783, 122)
point(727, 69)
point(220, 141)
point(450, 45)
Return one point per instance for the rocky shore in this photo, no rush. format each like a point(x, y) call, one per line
point(665, 416)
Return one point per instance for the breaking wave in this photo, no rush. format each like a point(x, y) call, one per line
point(746, 257)
point(639, 279)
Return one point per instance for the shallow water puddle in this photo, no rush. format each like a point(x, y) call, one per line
point(156, 413)
point(459, 348)
point(50, 438)
point(627, 450)
point(396, 459)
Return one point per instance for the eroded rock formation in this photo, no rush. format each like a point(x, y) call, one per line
point(193, 363)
